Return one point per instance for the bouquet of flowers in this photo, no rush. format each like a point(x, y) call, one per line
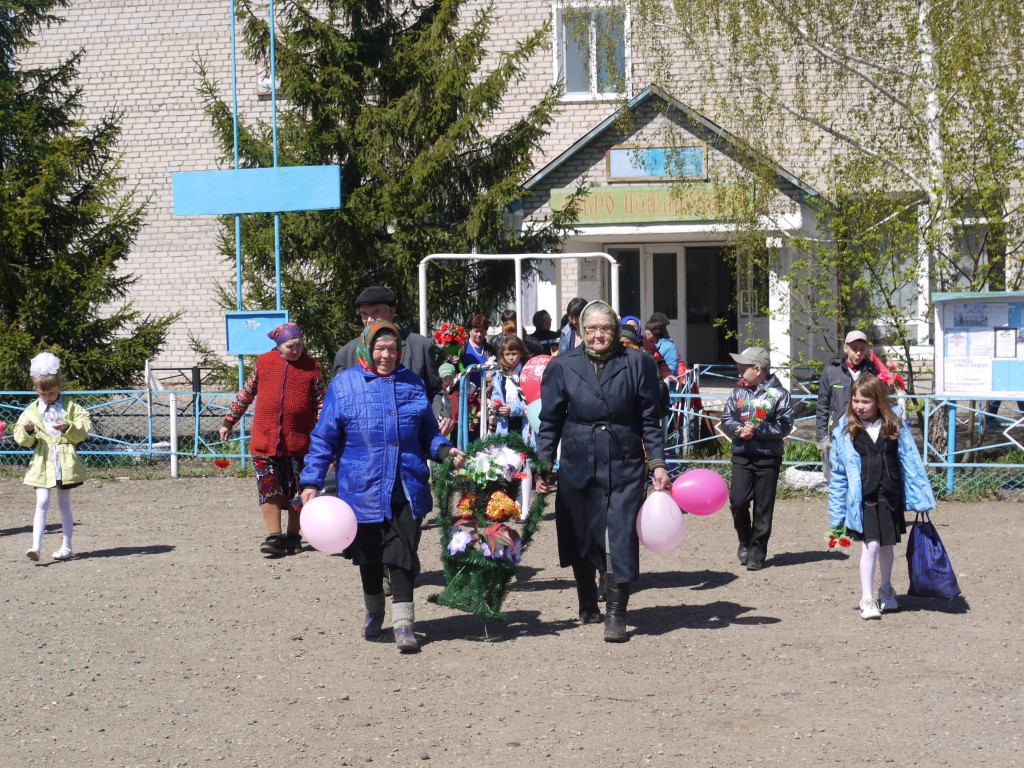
point(451, 339)
point(837, 536)
point(888, 375)
point(757, 409)
point(484, 528)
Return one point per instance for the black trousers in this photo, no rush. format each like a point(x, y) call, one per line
point(754, 479)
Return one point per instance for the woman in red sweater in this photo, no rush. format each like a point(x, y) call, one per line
point(291, 389)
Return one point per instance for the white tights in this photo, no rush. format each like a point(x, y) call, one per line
point(872, 553)
point(43, 506)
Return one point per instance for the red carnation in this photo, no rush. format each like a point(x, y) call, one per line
point(831, 543)
point(222, 463)
point(761, 413)
point(844, 542)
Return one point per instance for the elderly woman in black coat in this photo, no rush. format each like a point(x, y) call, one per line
point(601, 402)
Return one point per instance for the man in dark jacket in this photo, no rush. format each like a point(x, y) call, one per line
point(834, 390)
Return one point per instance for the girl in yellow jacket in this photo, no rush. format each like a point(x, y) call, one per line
point(52, 426)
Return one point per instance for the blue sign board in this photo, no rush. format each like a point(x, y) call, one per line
point(257, 190)
point(247, 331)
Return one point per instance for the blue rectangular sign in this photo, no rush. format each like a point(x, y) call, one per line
point(257, 190)
point(247, 331)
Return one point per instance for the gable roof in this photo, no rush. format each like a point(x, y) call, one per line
point(714, 135)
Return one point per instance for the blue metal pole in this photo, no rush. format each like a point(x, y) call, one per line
point(273, 118)
point(238, 218)
point(951, 448)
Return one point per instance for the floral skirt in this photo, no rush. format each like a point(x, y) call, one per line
point(279, 476)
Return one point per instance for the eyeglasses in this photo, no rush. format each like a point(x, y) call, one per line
point(593, 330)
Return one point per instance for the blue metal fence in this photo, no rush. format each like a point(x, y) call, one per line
point(152, 432)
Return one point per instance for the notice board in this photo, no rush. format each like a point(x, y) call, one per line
point(979, 345)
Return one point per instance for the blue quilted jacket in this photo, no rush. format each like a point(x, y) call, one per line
point(845, 494)
point(370, 426)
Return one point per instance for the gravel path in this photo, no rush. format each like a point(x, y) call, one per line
point(170, 641)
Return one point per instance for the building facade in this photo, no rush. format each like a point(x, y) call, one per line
point(142, 58)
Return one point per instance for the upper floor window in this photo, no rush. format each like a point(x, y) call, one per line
point(591, 50)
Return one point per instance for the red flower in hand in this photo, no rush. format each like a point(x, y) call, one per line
point(844, 542)
point(761, 413)
point(831, 543)
point(222, 463)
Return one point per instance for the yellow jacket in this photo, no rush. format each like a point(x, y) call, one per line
point(41, 472)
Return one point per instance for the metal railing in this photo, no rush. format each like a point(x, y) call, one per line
point(981, 449)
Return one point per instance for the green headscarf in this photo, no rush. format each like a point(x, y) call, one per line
point(616, 344)
point(369, 336)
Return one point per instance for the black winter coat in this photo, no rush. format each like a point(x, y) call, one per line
point(611, 438)
point(834, 394)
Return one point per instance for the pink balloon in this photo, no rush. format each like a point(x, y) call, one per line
point(531, 375)
point(328, 523)
point(700, 492)
point(660, 524)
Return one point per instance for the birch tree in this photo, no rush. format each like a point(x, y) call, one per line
point(906, 114)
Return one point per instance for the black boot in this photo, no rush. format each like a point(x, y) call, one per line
point(615, 621)
point(586, 592)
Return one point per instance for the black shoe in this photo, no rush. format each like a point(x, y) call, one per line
point(293, 542)
point(591, 617)
point(755, 565)
point(741, 553)
point(274, 545)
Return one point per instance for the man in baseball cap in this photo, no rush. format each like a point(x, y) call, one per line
point(834, 390)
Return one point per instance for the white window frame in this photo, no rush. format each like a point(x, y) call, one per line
point(559, 43)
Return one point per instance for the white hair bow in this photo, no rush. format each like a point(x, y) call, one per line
point(44, 364)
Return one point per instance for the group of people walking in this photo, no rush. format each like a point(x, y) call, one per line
point(376, 425)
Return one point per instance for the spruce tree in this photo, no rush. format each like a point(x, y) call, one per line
point(65, 223)
point(394, 93)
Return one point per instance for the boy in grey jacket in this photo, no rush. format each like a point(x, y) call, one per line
point(757, 416)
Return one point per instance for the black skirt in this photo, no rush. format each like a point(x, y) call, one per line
point(883, 520)
point(391, 542)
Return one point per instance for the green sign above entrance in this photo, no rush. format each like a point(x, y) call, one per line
point(638, 204)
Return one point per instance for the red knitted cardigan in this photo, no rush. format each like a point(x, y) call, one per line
point(286, 406)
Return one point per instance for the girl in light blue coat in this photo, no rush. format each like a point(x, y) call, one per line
point(507, 402)
point(877, 474)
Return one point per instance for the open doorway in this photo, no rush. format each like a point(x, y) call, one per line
point(710, 290)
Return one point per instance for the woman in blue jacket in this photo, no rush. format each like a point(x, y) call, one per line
point(378, 427)
point(877, 474)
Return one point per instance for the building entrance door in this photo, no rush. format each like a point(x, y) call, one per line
point(710, 293)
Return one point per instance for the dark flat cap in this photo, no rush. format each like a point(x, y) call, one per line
point(660, 316)
point(376, 294)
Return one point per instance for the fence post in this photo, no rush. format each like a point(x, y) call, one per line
point(174, 433)
point(951, 449)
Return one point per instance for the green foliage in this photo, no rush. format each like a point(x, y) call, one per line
point(394, 93)
point(796, 451)
point(907, 115)
point(66, 224)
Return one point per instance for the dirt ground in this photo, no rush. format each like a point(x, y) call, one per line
point(170, 641)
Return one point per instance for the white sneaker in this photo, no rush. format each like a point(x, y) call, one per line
point(887, 599)
point(32, 554)
point(64, 553)
point(869, 609)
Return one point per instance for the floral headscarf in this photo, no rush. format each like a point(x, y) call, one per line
point(284, 333)
point(369, 336)
point(612, 349)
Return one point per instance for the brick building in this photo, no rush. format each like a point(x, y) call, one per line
point(140, 57)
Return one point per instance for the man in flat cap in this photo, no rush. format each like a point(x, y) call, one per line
point(757, 416)
point(834, 390)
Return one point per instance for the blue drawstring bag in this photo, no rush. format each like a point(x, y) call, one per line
point(931, 574)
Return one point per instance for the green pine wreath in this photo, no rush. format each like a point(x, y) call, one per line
point(475, 583)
